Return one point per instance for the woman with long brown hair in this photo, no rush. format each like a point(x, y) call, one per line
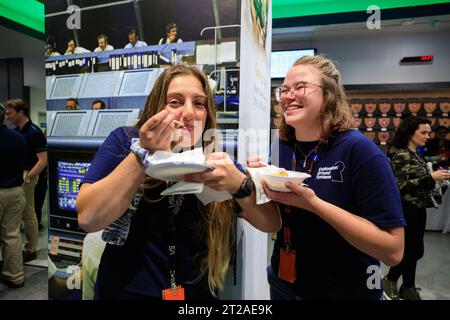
point(348, 216)
point(175, 247)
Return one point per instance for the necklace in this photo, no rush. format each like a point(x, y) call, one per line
point(306, 156)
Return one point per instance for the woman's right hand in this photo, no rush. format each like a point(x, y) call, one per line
point(157, 132)
point(440, 175)
point(255, 162)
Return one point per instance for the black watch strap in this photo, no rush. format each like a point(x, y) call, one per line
point(245, 189)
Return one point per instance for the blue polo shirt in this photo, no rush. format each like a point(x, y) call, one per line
point(12, 155)
point(353, 174)
point(140, 268)
point(35, 141)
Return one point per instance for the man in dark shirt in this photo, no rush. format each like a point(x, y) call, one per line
point(12, 202)
point(35, 161)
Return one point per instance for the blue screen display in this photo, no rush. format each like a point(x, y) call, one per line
point(69, 175)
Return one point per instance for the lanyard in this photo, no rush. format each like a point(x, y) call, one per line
point(287, 209)
point(313, 164)
point(175, 202)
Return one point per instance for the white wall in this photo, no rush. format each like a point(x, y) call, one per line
point(375, 59)
point(37, 105)
point(34, 71)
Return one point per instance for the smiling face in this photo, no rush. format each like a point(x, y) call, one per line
point(298, 108)
point(13, 116)
point(172, 34)
point(187, 102)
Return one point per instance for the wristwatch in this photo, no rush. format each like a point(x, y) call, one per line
point(245, 189)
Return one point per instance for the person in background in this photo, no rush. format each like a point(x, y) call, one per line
point(50, 52)
point(133, 37)
point(438, 149)
point(12, 203)
point(172, 240)
point(18, 113)
point(39, 196)
point(415, 182)
point(98, 105)
point(348, 216)
point(93, 247)
point(72, 104)
point(103, 44)
point(171, 35)
point(73, 49)
point(40, 192)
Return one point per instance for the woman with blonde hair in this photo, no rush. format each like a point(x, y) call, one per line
point(348, 214)
point(175, 247)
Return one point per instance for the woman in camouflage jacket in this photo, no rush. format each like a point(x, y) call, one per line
point(415, 182)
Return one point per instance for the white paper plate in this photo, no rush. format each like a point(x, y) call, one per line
point(174, 171)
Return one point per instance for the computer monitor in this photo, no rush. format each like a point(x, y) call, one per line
point(66, 170)
point(281, 61)
point(68, 178)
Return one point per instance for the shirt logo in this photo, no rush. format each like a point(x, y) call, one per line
point(333, 173)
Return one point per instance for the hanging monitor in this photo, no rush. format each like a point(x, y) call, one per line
point(101, 84)
point(105, 121)
point(68, 123)
point(281, 61)
point(138, 82)
point(65, 87)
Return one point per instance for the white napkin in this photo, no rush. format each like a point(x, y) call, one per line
point(209, 195)
point(184, 187)
point(196, 156)
point(190, 156)
point(256, 174)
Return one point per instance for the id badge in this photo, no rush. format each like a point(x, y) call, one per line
point(173, 294)
point(287, 269)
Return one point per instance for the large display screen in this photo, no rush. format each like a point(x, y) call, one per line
point(69, 175)
point(281, 61)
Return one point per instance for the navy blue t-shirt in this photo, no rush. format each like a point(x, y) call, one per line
point(140, 268)
point(12, 154)
point(36, 143)
point(353, 174)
